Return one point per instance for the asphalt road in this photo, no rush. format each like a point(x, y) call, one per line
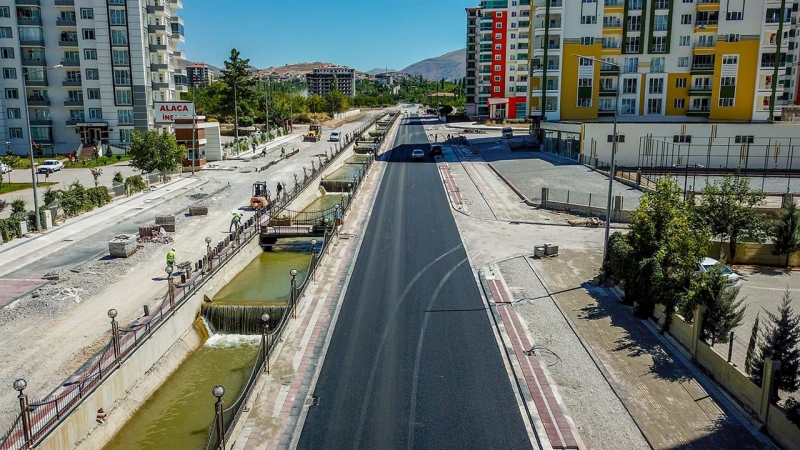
point(413, 362)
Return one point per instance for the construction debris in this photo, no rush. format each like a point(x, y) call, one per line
point(154, 234)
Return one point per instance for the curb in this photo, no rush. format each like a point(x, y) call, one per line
point(522, 196)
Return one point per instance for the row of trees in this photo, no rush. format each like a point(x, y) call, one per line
point(238, 87)
point(657, 263)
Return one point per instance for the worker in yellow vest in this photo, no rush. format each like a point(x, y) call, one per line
point(171, 257)
point(236, 221)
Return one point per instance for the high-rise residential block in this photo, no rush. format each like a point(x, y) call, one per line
point(199, 74)
point(323, 80)
point(89, 70)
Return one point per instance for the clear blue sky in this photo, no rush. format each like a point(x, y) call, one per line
point(362, 34)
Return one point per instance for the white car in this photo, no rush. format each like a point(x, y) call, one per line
point(5, 168)
point(735, 280)
point(335, 136)
point(50, 166)
point(418, 154)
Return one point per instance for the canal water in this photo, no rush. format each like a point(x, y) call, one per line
point(179, 414)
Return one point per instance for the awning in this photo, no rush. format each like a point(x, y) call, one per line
point(498, 101)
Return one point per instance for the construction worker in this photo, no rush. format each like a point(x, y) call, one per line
point(235, 221)
point(171, 257)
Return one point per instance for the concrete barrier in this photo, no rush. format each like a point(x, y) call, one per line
point(139, 376)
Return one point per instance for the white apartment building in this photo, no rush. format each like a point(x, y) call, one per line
point(88, 70)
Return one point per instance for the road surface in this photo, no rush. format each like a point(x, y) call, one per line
point(413, 361)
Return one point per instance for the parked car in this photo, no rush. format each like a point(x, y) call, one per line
point(5, 168)
point(734, 280)
point(335, 136)
point(50, 166)
point(418, 154)
point(508, 133)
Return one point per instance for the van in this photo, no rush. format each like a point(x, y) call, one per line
point(508, 133)
point(335, 136)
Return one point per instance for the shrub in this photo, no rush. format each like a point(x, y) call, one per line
point(109, 153)
point(792, 407)
point(51, 196)
point(134, 184)
point(3, 205)
point(75, 200)
point(9, 229)
point(118, 178)
point(119, 157)
point(18, 206)
point(245, 121)
point(98, 196)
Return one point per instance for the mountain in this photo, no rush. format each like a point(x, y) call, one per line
point(298, 70)
point(378, 70)
point(450, 66)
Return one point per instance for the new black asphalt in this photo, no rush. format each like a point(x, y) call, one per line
point(413, 361)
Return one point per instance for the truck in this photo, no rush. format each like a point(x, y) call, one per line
point(314, 133)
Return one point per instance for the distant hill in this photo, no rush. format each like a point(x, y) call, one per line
point(450, 66)
point(378, 70)
point(299, 70)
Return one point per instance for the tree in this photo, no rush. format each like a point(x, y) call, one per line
point(96, 173)
point(786, 234)
point(239, 81)
point(336, 101)
point(729, 209)
point(153, 151)
point(316, 103)
point(752, 347)
point(445, 110)
point(780, 342)
point(723, 312)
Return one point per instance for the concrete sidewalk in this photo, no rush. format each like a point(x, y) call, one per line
point(273, 144)
point(23, 251)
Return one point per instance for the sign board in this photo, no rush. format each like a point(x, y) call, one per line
point(167, 112)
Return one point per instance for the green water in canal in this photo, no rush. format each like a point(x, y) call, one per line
point(179, 414)
point(266, 280)
point(323, 203)
point(344, 173)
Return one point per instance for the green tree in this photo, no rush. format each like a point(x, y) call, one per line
point(786, 234)
point(118, 178)
point(752, 348)
point(316, 103)
point(723, 312)
point(238, 80)
point(445, 110)
point(153, 151)
point(17, 206)
point(729, 208)
point(336, 101)
point(780, 342)
point(335, 84)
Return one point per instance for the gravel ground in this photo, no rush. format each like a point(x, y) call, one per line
point(601, 419)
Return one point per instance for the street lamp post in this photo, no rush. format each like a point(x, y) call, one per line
point(292, 293)
point(112, 313)
point(30, 141)
point(264, 341)
point(208, 253)
point(194, 129)
point(19, 385)
point(313, 257)
point(235, 115)
point(170, 292)
point(218, 392)
point(613, 156)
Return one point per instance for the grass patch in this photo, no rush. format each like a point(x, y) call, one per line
point(99, 162)
point(12, 187)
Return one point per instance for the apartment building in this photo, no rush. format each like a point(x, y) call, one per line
point(199, 74)
point(699, 59)
point(81, 71)
point(498, 39)
point(323, 80)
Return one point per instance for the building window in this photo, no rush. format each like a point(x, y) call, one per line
point(629, 85)
point(725, 102)
point(685, 40)
point(588, 19)
point(14, 113)
point(124, 97)
point(734, 15)
point(686, 19)
point(497, 67)
point(9, 74)
point(5, 32)
point(498, 36)
point(498, 57)
point(75, 96)
point(680, 82)
point(90, 54)
point(584, 103)
point(586, 62)
point(125, 117)
point(95, 114)
point(682, 138)
point(661, 23)
point(632, 44)
point(93, 94)
point(634, 23)
point(683, 61)
point(88, 33)
point(498, 46)
point(5, 11)
point(680, 103)
point(587, 40)
point(499, 14)
point(15, 133)
point(12, 93)
point(120, 57)
point(657, 65)
point(654, 106)
point(92, 74)
point(497, 88)
point(730, 59)
point(116, 17)
point(497, 78)
point(743, 139)
point(605, 104)
point(498, 25)
point(7, 52)
point(659, 44)
point(732, 38)
point(122, 77)
point(119, 37)
point(728, 81)
point(511, 78)
point(656, 86)
point(628, 106)
point(87, 13)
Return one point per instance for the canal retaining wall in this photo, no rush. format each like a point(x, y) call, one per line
point(140, 375)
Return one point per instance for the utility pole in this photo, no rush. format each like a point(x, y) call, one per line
point(775, 71)
point(266, 102)
point(235, 115)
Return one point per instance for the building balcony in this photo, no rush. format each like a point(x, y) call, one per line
point(157, 85)
point(608, 91)
point(176, 4)
point(699, 111)
point(158, 47)
point(36, 83)
point(157, 29)
point(156, 9)
point(73, 102)
point(29, 21)
point(65, 2)
point(31, 42)
point(708, 5)
point(159, 66)
point(71, 82)
point(38, 101)
point(703, 91)
point(72, 121)
point(28, 2)
point(605, 112)
point(609, 70)
point(70, 63)
point(41, 122)
point(66, 22)
point(34, 62)
point(702, 68)
point(68, 43)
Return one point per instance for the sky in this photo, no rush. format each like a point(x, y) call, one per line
point(362, 34)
